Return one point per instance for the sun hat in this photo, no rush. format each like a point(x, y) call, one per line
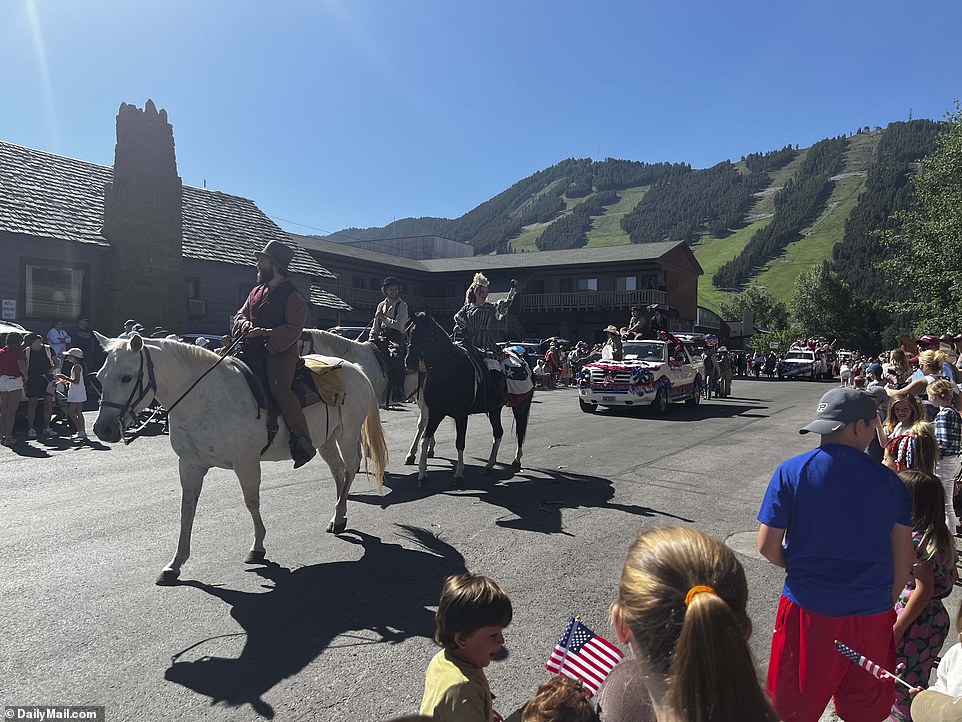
point(723, 349)
point(202, 342)
point(75, 352)
point(611, 329)
point(281, 254)
point(838, 408)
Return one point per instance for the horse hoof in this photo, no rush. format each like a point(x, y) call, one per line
point(167, 578)
point(255, 557)
point(515, 465)
point(333, 528)
point(422, 481)
point(409, 461)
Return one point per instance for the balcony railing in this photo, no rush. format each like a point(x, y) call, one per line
point(362, 298)
point(588, 300)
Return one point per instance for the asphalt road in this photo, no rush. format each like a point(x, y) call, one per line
point(340, 627)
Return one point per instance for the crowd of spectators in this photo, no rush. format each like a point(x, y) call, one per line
point(872, 575)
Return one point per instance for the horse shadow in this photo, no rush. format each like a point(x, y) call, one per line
point(533, 498)
point(304, 611)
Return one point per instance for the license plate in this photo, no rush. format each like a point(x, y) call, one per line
point(607, 398)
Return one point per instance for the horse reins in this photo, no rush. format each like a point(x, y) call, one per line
point(160, 413)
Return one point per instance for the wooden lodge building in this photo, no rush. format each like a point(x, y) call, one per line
point(572, 293)
point(80, 239)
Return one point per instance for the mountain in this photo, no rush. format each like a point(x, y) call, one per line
point(761, 220)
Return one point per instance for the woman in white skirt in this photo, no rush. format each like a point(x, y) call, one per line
point(76, 390)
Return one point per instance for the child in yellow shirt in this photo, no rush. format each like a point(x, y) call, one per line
point(471, 618)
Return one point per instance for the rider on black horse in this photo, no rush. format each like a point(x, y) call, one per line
point(471, 325)
point(388, 329)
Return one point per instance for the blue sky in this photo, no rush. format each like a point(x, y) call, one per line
point(346, 113)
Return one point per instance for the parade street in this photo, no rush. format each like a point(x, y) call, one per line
point(340, 627)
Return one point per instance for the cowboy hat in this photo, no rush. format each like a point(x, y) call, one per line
point(278, 252)
point(390, 281)
point(611, 329)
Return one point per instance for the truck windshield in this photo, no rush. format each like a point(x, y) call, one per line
point(644, 351)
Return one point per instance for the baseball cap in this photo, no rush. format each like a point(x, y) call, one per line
point(838, 408)
point(929, 339)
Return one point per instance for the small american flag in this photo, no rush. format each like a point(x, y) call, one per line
point(867, 664)
point(583, 655)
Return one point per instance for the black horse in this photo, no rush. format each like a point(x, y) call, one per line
point(458, 384)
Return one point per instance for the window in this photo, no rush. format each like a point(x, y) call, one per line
point(567, 285)
point(535, 286)
point(193, 287)
point(375, 284)
point(626, 283)
point(359, 282)
point(53, 291)
point(649, 280)
point(587, 284)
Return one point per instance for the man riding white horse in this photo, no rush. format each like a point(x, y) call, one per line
point(273, 318)
point(389, 327)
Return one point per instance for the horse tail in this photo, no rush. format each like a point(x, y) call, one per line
point(373, 445)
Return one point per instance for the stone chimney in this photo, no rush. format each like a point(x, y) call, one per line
point(143, 222)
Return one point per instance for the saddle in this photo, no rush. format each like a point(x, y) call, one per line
point(314, 381)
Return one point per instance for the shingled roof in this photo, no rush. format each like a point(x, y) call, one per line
point(632, 252)
point(52, 196)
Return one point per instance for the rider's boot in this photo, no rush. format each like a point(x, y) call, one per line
point(302, 450)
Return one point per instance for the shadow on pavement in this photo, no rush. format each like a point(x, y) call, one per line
point(715, 409)
point(533, 497)
point(387, 592)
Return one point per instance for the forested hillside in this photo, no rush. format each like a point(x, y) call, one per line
point(763, 219)
point(887, 189)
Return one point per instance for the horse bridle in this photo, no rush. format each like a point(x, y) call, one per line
point(431, 337)
point(151, 387)
point(140, 391)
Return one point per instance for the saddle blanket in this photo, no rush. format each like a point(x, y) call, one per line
point(329, 380)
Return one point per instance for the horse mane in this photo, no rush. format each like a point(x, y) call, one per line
point(186, 351)
point(339, 345)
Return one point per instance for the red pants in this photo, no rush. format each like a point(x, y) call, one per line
point(805, 671)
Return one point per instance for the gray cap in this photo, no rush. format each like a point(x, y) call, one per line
point(839, 408)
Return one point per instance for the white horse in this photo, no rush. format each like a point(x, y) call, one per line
point(366, 355)
point(218, 424)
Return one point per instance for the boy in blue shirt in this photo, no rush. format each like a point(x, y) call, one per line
point(840, 524)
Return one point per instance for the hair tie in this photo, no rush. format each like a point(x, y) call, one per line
point(696, 590)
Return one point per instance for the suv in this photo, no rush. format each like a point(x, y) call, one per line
point(653, 373)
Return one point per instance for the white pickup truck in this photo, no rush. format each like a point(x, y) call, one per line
point(652, 373)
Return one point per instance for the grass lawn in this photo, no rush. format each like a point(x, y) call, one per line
point(606, 229)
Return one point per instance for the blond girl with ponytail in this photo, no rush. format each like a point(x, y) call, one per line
point(682, 608)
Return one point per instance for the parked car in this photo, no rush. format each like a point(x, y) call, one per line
point(213, 340)
point(653, 372)
point(11, 327)
point(532, 350)
point(355, 333)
